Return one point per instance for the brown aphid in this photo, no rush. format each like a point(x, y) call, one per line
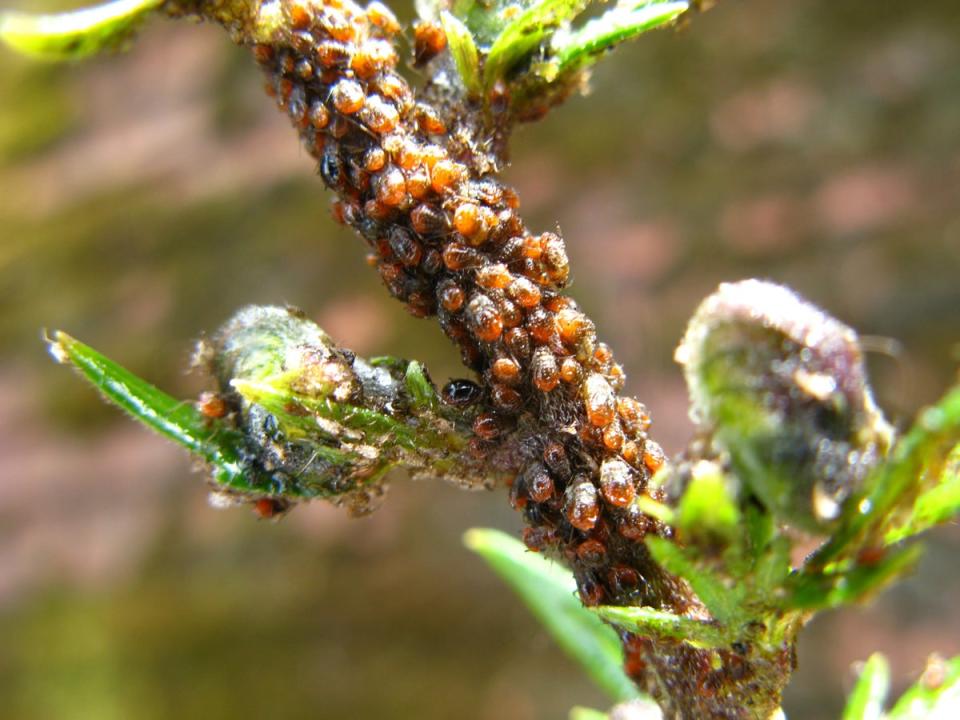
point(616, 482)
point(538, 538)
point(466, 219)
point(446, 175)
point(428, 220)
point(518, 500)
point(505, 370)
point(263, 53)
point(581, 505)
point(623, 580)
point(460, 257)
point(591, 593)
point(374, 159)
point(518, 342)
point(377, 210)
point(211, 405)
point(394, 87)
point(599, 400)
point(555, 258)
point(633, 414)
point(494, 276)
point(430, 121)
point(300, 16)
point(616, 376)
point(544, 370)
point(556, 303)
point(409, 155)
point(405, 247)
point(540, 486)
point(331, 53)
point(418, 183)
point(485, 426)
point(571, 325)
point(591, 552)
point(653, 456)
point(304, 70)
point(630, 452)
point(511, 314)
point(420, 304)
point(484, 318)
point(524, 292)
point(379, 115)
point(268, 508)
point(451, 296)
point(505, 398)
point(429, 40)
point(347, 96)
point(337, 24)
point(570, 370)
point(613, 436)
point(382, 17)
point(432, 262)
point(633, 524)
point(603, 355)
point(391, 187)
point(541, 325)
point(556, 460)
point(370, 56)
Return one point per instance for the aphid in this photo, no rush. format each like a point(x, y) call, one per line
point(394, 87)
point(379, 115)
point(633, 524)
point(390, 187)
point(418, 183)
point(428, 220)
point(337, 24)
point(653, 456)
point(304, 70)
point(570, 370)
point(555, 458)
point(506, 370)
point(263, 53)
point(613, 436)
point(616, 482)
point(541, 325)
point(540, 486)
point(484, 318)
point(445, 175)
point(460, 257)
point(511, 314)
point(372, 55)
point(268, 508)
point(429, 40)
point(598, 399)
point(211, 405)
point(630, 452)
point(555, 258)
point(524, 292)
point(432, 262)
point(331, 53)
point(485, 426)
point(451, 296)
point(591, 552)
point(538, 538)
point(518, 342)
point(544, 370)
point(505, 398)
point(466, 219)
point(407, 250)
point(494, 276)
point(571, 325)
point(633, 414)
point(591, 592)
point(461, 392)
point(430, 121)
point(374, 159)
point(331, 167)
point(347, 96)
point(382, 17)
point(581, 506)
point(623, 580)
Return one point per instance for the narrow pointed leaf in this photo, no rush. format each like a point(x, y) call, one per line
point(77, 34)
point(464, 52)
point(618, 25)
point(654, 623)
point(869, 694)
point(550, 593)
point(585, 713)
point(177, 420)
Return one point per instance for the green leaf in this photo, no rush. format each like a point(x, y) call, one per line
point(937, 505)
point(550, 593)
point(522, 36)
point(650, 622)
point(725, 604)
point(708, 511)
point(76, 34)
point(935, 697)
point(180, 421)
point(422, 393)
point(624, 22)
point(870, 692)
point(464, 52)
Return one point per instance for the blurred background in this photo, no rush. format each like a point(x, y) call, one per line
point(145, 197)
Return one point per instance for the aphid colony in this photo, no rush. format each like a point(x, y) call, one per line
point(448, 241)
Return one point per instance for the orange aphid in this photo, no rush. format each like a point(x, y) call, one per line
point(446, 175)
point(506, 370)
point(347, 96)
point(494, 276)
point(211, 405)
point(598, 399)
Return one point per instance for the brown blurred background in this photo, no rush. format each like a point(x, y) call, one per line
point(145, 197)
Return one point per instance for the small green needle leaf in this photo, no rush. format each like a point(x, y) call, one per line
point(464, 52)
point(177, 420)
point(77, 34)
point(585, 713)
point(935, 697)
point(654, 623)
point(522, 36)
point(550, 593)
point(624, 22)
point(870, 692)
